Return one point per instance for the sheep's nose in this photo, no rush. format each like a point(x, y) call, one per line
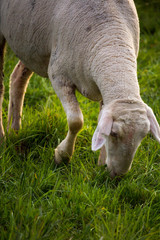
point(113, 174)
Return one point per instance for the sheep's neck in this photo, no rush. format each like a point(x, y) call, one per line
point(118, 83)
point(115, 74)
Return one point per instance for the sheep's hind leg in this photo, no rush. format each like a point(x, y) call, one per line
point(2, 47)
point(18, 84)
point(66, 93)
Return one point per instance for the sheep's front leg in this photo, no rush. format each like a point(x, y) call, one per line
point(18, 85)
point(102, 155)
point(66, 93)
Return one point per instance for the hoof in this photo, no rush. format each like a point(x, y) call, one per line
point(61, 158)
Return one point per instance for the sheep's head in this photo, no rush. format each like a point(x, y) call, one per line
point(122, 126)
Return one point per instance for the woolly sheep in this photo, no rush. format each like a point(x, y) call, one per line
point(85, 45)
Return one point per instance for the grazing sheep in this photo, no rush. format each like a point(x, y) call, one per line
point(85, 45)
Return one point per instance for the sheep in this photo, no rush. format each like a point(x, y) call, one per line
point(85, 45)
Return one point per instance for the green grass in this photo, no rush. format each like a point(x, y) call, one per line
point(39, 200)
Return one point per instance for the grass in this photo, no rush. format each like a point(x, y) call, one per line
point(39, 200)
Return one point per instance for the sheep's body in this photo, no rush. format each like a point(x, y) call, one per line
point(74, 36)
point(88, 45)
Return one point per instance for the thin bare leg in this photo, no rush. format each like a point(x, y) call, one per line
point(2, 47)
point(18, 84)
point(66, 93)
point(102, 155)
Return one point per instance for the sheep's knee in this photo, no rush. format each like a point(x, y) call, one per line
point(75, 124)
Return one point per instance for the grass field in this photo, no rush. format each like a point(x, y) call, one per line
point(39, 200)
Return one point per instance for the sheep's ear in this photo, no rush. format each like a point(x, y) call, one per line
point(103, 129)
point(154, 126)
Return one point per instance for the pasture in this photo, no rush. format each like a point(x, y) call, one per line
point(40, 201)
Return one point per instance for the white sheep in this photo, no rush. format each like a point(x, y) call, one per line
point(85, 45)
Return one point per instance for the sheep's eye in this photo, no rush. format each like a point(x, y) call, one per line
point(114, 134)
